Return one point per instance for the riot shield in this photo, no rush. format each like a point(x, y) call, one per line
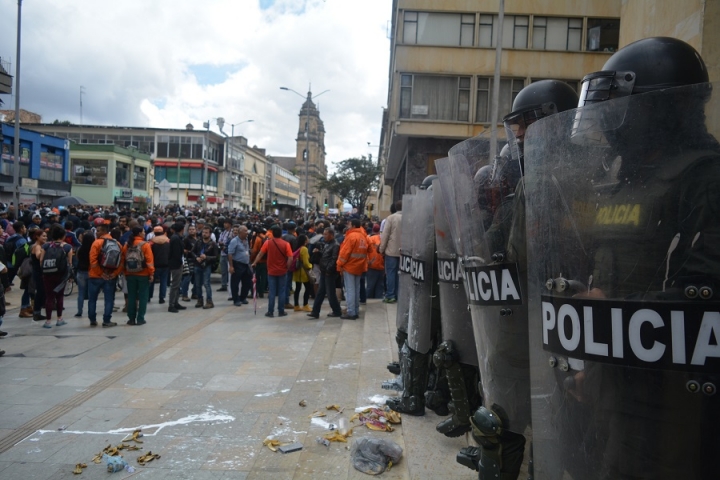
point(484, 206)
point(404, 280)
point(455, 316)
point(421, 272)
point(623, 223)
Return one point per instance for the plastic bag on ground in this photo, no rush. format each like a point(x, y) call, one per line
point(374, 455)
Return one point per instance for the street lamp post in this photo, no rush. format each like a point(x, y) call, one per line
point(310, 97)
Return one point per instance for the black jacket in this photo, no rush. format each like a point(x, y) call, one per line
point(176, 252)
point(210, 250)
point(329, 258)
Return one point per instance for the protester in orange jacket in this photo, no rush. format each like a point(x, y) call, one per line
point(353, 262)
point(139, 271)
point(376, 266)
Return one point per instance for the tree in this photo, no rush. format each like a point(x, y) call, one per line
point(353, 181)
point(63, 122)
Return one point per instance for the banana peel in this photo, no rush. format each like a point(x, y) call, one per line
point(147, 458)
point(97, 458)
point(338, 437)
point(393, 417)
point(337, 408)
point(79, 467)
point(317, 414)
point(271, 443)
point(134, 436)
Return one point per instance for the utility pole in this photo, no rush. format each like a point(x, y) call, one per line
point(16, 146)
point(496, 83)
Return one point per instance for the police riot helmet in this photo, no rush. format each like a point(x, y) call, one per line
point(538, 100)
point(649, 64)
point(427, 182)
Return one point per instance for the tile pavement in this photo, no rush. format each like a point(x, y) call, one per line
point(207, 386)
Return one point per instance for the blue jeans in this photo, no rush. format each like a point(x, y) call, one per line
point(375, 283)
point(185, 284)
point(352, 292)
point(25, 300)
point(202, 279)
point(161, 277)
point(278, 286)
point(81, 278)
point(391, 276)
point(363, 289)
point(95, 285)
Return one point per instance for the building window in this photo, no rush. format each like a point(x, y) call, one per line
point(603, 34)
point(515, 31)
point(554, 33)
point(443, 29)
point(8, 165)
point(122, 175)
point(140, 178)
point(51, 167)
point(435, 97)
point(509, 88)
point(89, 172)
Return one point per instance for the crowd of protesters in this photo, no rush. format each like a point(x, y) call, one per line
point(110, 249)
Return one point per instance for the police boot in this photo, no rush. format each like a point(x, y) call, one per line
point(500, 451)
point(400, 338)
point(456, 373)
point(437, 396)
point(414, 375)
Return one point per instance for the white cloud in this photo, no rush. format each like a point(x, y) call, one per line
point(136, 59)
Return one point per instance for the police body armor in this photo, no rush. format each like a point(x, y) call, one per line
point(457, 354)
point(623, 230)
point(485, 208)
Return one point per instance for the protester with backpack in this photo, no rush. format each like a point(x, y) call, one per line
point(105, 266)
point(302, 267)
point(11, 245)
point(279, 258)
point(56, 262)
point(139, 271)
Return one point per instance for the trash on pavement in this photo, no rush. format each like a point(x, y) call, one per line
point(377, 419)
point(114, 463)
point(147, 458)
point(79, 467)
point(293, 447)
point(374, 455)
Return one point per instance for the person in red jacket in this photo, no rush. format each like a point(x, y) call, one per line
point(353, 262)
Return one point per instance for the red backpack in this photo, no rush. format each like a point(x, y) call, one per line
point(296, 261)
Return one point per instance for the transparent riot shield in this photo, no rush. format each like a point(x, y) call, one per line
point(623, 230)
point(455, 316)
point(483, 208)
point(421, 272)
point(404, 281)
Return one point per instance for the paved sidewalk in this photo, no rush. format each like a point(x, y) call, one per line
point(206, 387)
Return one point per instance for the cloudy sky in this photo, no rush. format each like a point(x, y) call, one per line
point(164, 63)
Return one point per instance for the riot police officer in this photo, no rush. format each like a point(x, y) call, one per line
point(496, 286)
point(625, 293)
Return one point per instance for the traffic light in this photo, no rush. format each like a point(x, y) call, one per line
point(325, 203)
point(202, 197)
point(275, 200)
